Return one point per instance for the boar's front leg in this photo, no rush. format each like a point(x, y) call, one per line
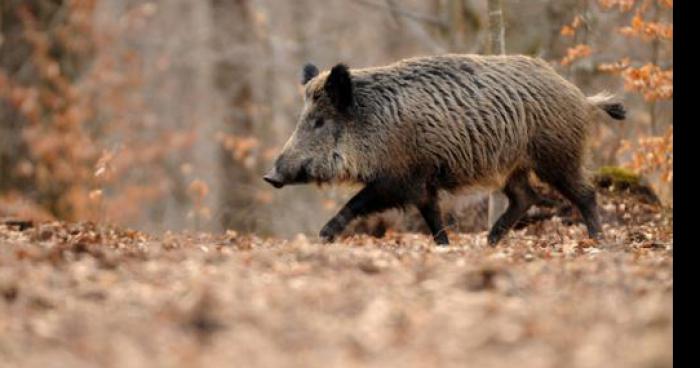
point(430, 210)
point(375, 197)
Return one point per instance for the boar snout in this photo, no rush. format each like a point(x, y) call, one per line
point(287, 172)
point(274, 178)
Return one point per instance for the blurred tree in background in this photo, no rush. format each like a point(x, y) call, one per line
point(163, 114)
point(46, 145)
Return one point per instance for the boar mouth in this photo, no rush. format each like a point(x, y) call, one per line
point(303, 173)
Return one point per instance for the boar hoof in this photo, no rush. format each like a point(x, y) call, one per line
point(493, 239)
point(327, 239)
point(327, 235)
point(441, 240)
point(330, 231)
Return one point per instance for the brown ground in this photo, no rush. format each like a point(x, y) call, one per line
point(80, 295)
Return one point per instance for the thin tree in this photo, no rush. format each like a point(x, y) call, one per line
point(233, 23)
point(497, 46)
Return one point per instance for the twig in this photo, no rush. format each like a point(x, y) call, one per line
point(21, 225)
point(395, 10)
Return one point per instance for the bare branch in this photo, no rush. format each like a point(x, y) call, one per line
point(395, 10)
point(414, 27)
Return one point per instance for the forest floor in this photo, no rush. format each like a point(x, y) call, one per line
point(87, 295)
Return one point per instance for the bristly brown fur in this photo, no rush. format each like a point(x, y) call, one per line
point(412, 128)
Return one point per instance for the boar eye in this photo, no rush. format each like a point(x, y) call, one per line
point(318, 123)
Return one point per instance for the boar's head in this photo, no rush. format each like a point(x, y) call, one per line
point(319, 149)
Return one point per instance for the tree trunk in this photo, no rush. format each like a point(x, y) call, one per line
point(234, 38)
point(18, 64)
point(497, 201)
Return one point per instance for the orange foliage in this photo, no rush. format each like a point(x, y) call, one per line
point(569, 30)
point(650, 154)
point(575, 53)
point(653, 154)
point(197, 191)
point(650, 80)
point(647, 30)
point(242, 149)
point(616, 67)
point(622, 5)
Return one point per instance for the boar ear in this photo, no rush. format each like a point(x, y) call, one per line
point(338, 87)
point(309, 72)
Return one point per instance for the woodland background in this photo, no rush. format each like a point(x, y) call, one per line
point(136, 229)
point(163, 115)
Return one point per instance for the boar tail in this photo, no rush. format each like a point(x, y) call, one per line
point(608, 103)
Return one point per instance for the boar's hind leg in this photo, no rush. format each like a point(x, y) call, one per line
point(574, 186)
point(520, 197)
point(372, 198)
point(430, 210)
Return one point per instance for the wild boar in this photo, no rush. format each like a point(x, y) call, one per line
point(411, 129)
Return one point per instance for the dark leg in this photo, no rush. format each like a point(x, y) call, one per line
point(561, 167)
point(430, 210)
point(369, 200)
point(520, 197)
point(582, 194)
point(544, 201)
